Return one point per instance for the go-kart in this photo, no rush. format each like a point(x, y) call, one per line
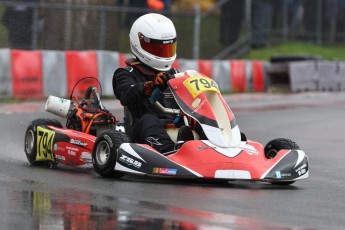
point(47, 143)
point(217, 151)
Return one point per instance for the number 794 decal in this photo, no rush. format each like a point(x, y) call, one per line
point(199, 84)
point(45, 139)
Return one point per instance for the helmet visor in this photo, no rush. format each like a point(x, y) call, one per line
point(159, 48)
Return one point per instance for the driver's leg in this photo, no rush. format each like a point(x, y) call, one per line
point(151, 131)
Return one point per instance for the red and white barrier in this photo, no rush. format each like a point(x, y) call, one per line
point(26, 69)
point(5, 74)
point(38, 74)
point(231, 75)
point(80, 65)
point(54, 73)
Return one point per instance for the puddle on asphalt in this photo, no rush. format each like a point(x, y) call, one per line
point(72, 210)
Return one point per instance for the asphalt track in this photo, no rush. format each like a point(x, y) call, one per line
point(74, 198)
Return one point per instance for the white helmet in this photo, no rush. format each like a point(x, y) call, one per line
point(153, 41)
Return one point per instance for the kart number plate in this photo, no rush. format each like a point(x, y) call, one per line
point(199, 84)
point(45, 139)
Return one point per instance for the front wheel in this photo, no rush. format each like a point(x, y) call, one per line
point(274, 146)
point(30, 140)
point(104, 153)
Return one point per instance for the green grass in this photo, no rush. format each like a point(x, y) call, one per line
point(326, 52)
point(9, 100)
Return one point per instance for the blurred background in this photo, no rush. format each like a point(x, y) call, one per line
point(207, 29)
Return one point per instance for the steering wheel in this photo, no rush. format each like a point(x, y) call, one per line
point(92, 90)
point(155, 97)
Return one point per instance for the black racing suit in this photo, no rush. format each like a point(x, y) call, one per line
point(148, 125)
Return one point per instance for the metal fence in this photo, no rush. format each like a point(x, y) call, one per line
point(228, 30)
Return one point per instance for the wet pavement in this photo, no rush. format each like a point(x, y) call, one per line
point(72, 210)
point(46, 199)
point(75, 198)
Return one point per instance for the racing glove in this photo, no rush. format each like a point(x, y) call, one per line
point(148, 88)
point(161, 80)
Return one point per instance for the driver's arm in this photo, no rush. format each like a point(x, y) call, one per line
point(126, 88)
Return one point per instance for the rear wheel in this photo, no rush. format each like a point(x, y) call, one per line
point(30, 139)
point(274, 146)
point(104, 154)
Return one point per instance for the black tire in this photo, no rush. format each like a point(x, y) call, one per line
point(294, 57)
point(104, 153)
point(54, 122)
point(274, 146)
point(271, 149)
point(30, 139)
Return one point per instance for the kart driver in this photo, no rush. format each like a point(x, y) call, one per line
point(153, 43)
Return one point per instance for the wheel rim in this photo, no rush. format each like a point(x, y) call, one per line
point(29, 141)
point(102, 153)
point(272, 153)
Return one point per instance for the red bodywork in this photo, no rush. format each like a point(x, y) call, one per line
point(72, 148)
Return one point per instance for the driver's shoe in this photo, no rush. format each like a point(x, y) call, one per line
point(184, 134)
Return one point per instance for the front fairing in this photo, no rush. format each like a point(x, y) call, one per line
point(202, 159)
point(199, 97)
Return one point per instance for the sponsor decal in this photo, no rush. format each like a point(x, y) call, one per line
point(167, 171)
point(199, 106)
point(278, 175)
point(59, 157)
point(86, 157)
point(168, 42)
point(130, 161)
point(196, 102)
point(167, 35)
point(301, 170)
point(285, 174)
point(72, 151)
point(153, 141)
point(135, 49)
point(58, 147)
point(72, 148)
point(204, 147)
point(78, 142)
point(249, 149)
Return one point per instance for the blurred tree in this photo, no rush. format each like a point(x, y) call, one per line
point(231, 19)
point(18, 21)
point(70, 29)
